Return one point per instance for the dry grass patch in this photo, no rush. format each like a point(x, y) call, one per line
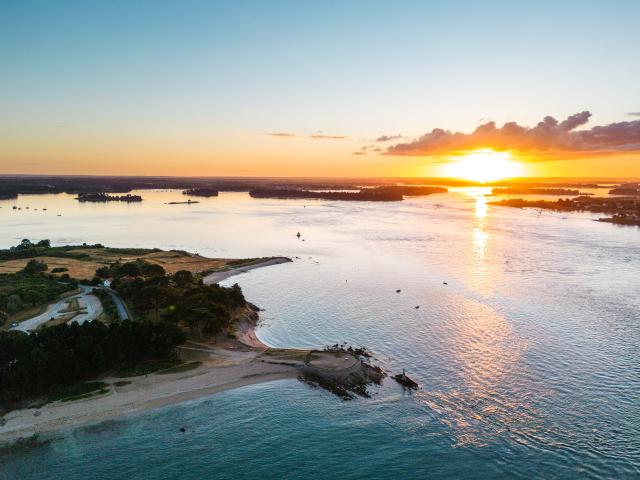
point(171, 261)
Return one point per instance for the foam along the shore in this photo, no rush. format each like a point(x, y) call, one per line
point(219, 276)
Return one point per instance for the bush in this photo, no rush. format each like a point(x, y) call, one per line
point(35, 266)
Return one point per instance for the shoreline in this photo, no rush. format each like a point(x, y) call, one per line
point(224, 366)
point(219, 276)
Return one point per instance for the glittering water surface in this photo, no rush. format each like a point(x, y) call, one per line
point(527, 356)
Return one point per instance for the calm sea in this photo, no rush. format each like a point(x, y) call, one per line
point(528, 356)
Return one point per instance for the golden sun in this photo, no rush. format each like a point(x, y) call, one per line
point(484, 165)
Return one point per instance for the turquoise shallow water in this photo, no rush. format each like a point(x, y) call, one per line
point(527, 357)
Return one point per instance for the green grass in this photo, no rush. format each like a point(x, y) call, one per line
point(79, 391)
point(146, 368)
point(22, 291)
point(184, 367)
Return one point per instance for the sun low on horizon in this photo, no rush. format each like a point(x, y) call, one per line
point(483, 165)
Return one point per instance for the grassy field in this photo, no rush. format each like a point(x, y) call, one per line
point(94, 258)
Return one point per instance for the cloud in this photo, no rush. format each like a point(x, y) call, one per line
point(548, 138)
point(388, 138)
point(282, 134)
point(314, 137)
point(634, 114)
point(359, 152)
point(327, 137)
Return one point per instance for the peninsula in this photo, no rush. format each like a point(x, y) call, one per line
point(166, 332)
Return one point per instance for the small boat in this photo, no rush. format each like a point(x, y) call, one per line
point(398, 291)
point(298, 235)
point(405, 380)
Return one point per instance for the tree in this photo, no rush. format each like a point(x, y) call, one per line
point(35, 266)
point(183, 278)
point(151, 269)
point(44, 243)
point(103, 272)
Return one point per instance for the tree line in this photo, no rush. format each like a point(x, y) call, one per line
point(180, 298)
point(36, 364)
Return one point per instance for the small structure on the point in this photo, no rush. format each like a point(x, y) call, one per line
point(404, 380)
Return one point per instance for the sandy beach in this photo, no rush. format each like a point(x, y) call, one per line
point(217, 277)
point(216, 374)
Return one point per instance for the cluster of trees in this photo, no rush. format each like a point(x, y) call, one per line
point(179, 298)
point(36, 364)
point(104, 197)
point(29, 288)
point(27, 249)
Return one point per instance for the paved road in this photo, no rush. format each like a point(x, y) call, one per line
point(55, 310)
point(123, 311)
point(93, 307)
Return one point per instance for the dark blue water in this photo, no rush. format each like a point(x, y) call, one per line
point(527, 358)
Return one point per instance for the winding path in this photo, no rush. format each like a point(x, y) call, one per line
point(88, 302)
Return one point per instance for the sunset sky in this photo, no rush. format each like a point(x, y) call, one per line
point(308, 88)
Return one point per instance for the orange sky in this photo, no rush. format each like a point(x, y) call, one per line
point(199, 88)
point(260, 155)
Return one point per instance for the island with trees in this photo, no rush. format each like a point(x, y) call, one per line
point(535, 191)
point(105, 197)
point(391, 193)
point(201, 192)
point(623, 210)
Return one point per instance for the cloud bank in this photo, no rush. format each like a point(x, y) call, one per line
point(315, 137)
point(388, 138)
point(548, 138)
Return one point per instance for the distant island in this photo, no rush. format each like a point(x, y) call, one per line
point(104, 197)
point(624, 211)
point(626, 189)
point(375, 194)
point(535, 191)
point(187, 202)
point(201, 192)
point(79, 323)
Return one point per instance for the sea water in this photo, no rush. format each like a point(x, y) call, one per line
point(525, 342)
